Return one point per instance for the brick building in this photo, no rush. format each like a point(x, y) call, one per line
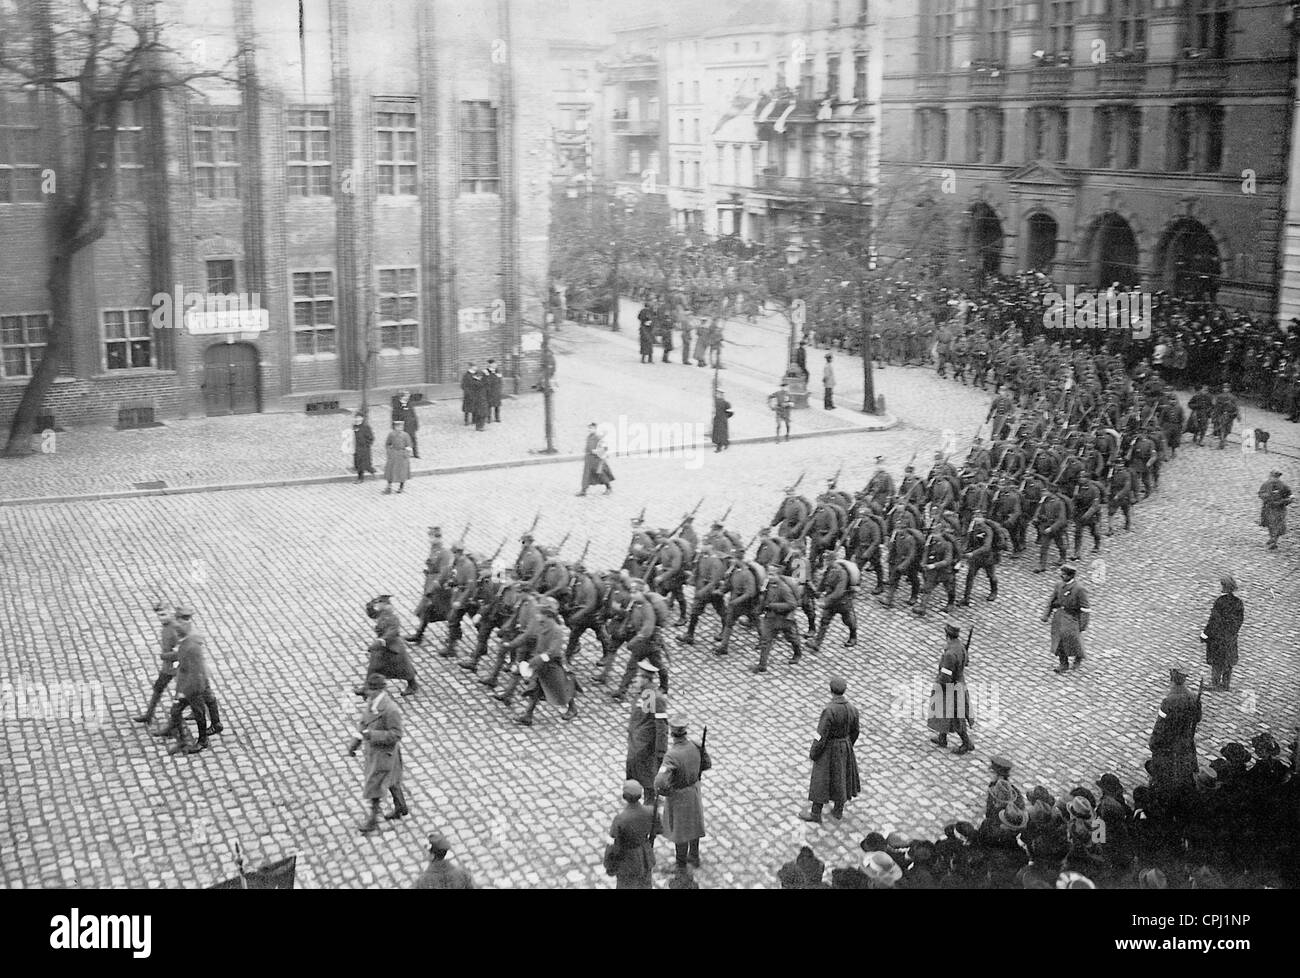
point(358, 188)
point(1139, 141)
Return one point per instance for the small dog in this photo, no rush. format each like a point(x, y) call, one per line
point(1261, 440)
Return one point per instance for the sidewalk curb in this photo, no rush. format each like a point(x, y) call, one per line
point(886, 422)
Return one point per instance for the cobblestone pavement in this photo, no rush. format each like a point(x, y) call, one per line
point(599, 379)
point(280, 575)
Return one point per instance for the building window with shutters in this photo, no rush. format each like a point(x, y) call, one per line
point(1128, 30)
point(479, 165)
point(860, 77)
point(395, 150)
point(20, 169)
point(22, 345)
point(399, 311)
point(314, 329)
point(994, 19)
point(216, 154)
point(128, 339)
point(1058, 30)
point(310, 173)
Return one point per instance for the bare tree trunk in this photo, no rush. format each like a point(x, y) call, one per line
point(57, 342)
point(868, 379)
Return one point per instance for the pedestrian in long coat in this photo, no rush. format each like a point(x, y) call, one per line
point(389, 655)
point(404, 411)
point(721, 435)
point(647, 731)
point(397, 467)
point(701, 343)
point(1220, 634)
point(380, 728)
point(1068, 611)
point(630, 858)
point(645, 335)
point(678, 781)
point(494, 381)
point(595, 469)
point(1274, 497)
point(1173, 742)
point(363, 438)
point(835, 768)
point(466, 387)
point(478, 399)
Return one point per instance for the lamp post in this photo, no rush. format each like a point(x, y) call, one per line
point(794, 376)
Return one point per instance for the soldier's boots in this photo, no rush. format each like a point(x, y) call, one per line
point(967, 745)
point(372, 823)
point(399, 805)
point(572, 711)
point(993, 591)
point(412, 687)
point(507, 694)
point(689, 637)
point(147, 715)
point(525, 719)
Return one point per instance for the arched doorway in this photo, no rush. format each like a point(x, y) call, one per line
point(230, 379)
point(1113, 253)
point(985, 240)
point(1042, 232)
point(1189, 260)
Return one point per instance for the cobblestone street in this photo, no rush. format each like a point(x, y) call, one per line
point(279, 577)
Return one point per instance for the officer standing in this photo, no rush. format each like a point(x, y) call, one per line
point(647, 731)
point(1068, 612)
point(380, 728)
point(678, 781)
point(835, 768)
point(949, 701)
point(1173, 743)
point(167, 639)
point(630, 857)
point(781, 403)
point(1274, 497)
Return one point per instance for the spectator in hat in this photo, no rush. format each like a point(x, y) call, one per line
point(630, 857)
point(397, 467)
point(1001, 792)
point(468, 382)
point(882, 871)
point(835, 768)
point(828, 384)
point(380, 728)
point(404, 411)
point(678, 781)
point(441, 874)
point(493, 381)
point(801, 359)
point(920, 875)
point(363, 439)
point(722, 413)
point(1115, 818)
point(1220, 633)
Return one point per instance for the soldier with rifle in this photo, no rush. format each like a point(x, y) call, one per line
point(949, 700)
point(838, 588)
point(778, 604)
point(434, 604)
point(678, 781)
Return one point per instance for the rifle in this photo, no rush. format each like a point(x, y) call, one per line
point(493, 558)
point(464, 533)
point(835, 479)
point(1200, 691)
point(563, 542)
point(585, 548)
point(536, 520)
point(704, 737)
point(640, 518)
point(723, 521)
point(797, 481)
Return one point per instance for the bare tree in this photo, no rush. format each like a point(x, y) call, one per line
point(87, 63)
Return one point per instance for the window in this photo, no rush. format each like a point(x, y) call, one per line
point(832, 154)
point(806, 152)
point(399, 310)
point(681, 92)
point(310, 173)
point(1048, 133)
point(314, 331)
point(736, 175)
point(860, 147)
point(216, 154)
point(1058, 27)
point(695, 173)
point(994, 29)
point(986, 135)
point(938, 24)
point(695, 129)
point(1117, 137)
point(695, 91)
point(860, 77)
point(806, 79)
point(1128, 29)
point(395, 173)
point(129, 178)
point(833, 76)
point(681, 173)
point(931, 135)
point(780, 75)
point(20, 171)
point(633, 160)
point(681, 129)
point(128, 339)
point(479, 169)
point(1211, 22)
point(1196, 138)
point(221, 276)
point(22, 343)
point(717, 171)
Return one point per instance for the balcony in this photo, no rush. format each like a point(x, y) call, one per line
point(636, 127)
point(1121, 76)
point(988, 77)
point(1195, 71)
point(774, 183)
point(635, 69)
point(932, 84)
point(1053, 79)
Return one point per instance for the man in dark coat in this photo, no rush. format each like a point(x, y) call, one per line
point(545, 669)
point(647, 730)
point(380, 728)
point(466, 392)
point(192, 686)
point(678, 781)
point(1220, 634)
point(1068, 611)
point(721, 434)
point(595, 468)
point(389, 656)
point(167, 639)
point(363, 438)
point(949, 701)
point(404, 411)
point(494, 381)
point(1173, 744)
point(1274, 497)
point(630, 858)
point(645, 333)
point(441, 874)
point(835, 769)
point(478, 400)
point(801, 359)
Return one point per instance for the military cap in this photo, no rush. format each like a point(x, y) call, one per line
point(951, 629)
point(1276, 474)
point(438, 842)
point(1074, 881)
point(184, 611)
point(1069, 569)
point(838, 685)
point(632, 790)
point(435, 531)
point(1178, 674)
point(1000, 764)
point(1228, 582)
point(647, 666)
point(376, 681)
point(677, 720)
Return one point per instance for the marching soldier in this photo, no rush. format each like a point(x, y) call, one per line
point(678, 781)
point(1274, 497)
point(1199, 406)
point(771, 549)
point(388, 653)
point(1068, 612)
point(545, 670)
point(530, 561)
point(838, 588)
point(983, 550)
point(938, 568)
point(781, 403)
point(646, 615)
point(1052, 519)
point(835, 776)
point(1119, 496)
point(949, 701)
point(880, 488)
point(1223, 410)
point(780, 602)
point(906, 547)
point(167, 639)
point(380, 728)
point(1088, 495)
point(437, 569)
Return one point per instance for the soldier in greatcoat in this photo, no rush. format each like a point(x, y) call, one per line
point(678, 781)
point(388, 653)
point(1173, 743)
point(838, 588)
point(1274, 497)
point(545, 669)
point(1068, 611)
point(435, 604)
point(167, 639)
point(1220, 634)
point(647, 731)
point(380, 728)
point(630, 857)
point(835, 769)
point(192, 686)
point(949, 700)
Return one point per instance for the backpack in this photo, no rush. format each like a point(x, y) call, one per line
point(852, 569)
point(660, 606)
